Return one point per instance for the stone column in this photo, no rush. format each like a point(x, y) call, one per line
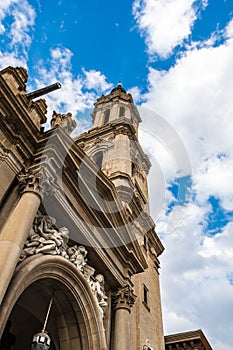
point(15, 231)
point(123, 300)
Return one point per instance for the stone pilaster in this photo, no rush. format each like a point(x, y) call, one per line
point(123, 300)
point(15, 231)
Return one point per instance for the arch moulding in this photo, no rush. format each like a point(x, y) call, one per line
point(59, 269)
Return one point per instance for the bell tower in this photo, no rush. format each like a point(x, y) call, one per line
point(112, 143)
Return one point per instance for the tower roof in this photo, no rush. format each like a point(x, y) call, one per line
point(118, 88)
point(117, 92)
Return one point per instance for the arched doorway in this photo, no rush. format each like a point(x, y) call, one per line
point(74, 322)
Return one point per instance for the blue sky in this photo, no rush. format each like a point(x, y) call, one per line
point(175, 57)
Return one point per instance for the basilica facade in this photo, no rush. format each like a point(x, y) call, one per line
point(79, 255)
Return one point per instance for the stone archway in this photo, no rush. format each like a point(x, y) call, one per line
point(75, 320)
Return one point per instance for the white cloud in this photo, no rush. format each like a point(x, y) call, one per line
point(136, 94)
point(78, 93)
point(96, 80)
point(22, 23)
point(4, 10)
point(10, 59)
point(195, 97)
point(18, 32)
point(165, 23)
point(195, 290)
point(229, 30)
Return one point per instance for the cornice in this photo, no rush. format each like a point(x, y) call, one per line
point(58, 143)
point(188, 336)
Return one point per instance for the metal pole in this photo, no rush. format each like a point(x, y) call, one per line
point(43, 91)
point(48, 312)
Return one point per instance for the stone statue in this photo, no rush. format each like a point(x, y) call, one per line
point(77, 256)
point(63, 120)
point(97, 287)
point(46, 238)
point(88, 273)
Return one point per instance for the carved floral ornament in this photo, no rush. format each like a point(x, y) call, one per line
point(124, 298)
point(46, 238)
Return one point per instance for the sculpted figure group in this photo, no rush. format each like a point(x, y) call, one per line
point(46, 238)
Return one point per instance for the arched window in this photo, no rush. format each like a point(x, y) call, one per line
point(122, 112)
point(106, 116)
point(98, 159)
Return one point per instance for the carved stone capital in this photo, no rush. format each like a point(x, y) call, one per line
point(28, 182)
point(36, 181)
point(124, 298)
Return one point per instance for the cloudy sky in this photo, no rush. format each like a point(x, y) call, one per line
point(176, 58)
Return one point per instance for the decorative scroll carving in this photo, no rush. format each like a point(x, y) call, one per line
point(46, 238)
point(124, 298)
point(63, 120)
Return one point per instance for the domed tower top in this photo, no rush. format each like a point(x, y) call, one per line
point(118, 88)
point(118, 106)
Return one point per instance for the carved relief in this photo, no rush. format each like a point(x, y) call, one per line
point(77, 256)
point(46, 238)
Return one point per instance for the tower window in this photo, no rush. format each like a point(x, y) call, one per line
point(106, 116)
point(146, 297)
point(98, 159)
point(122, 112)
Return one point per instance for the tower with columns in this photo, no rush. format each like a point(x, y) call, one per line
point(79, 255)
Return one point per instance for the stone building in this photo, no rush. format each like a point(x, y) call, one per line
point(79, 264)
